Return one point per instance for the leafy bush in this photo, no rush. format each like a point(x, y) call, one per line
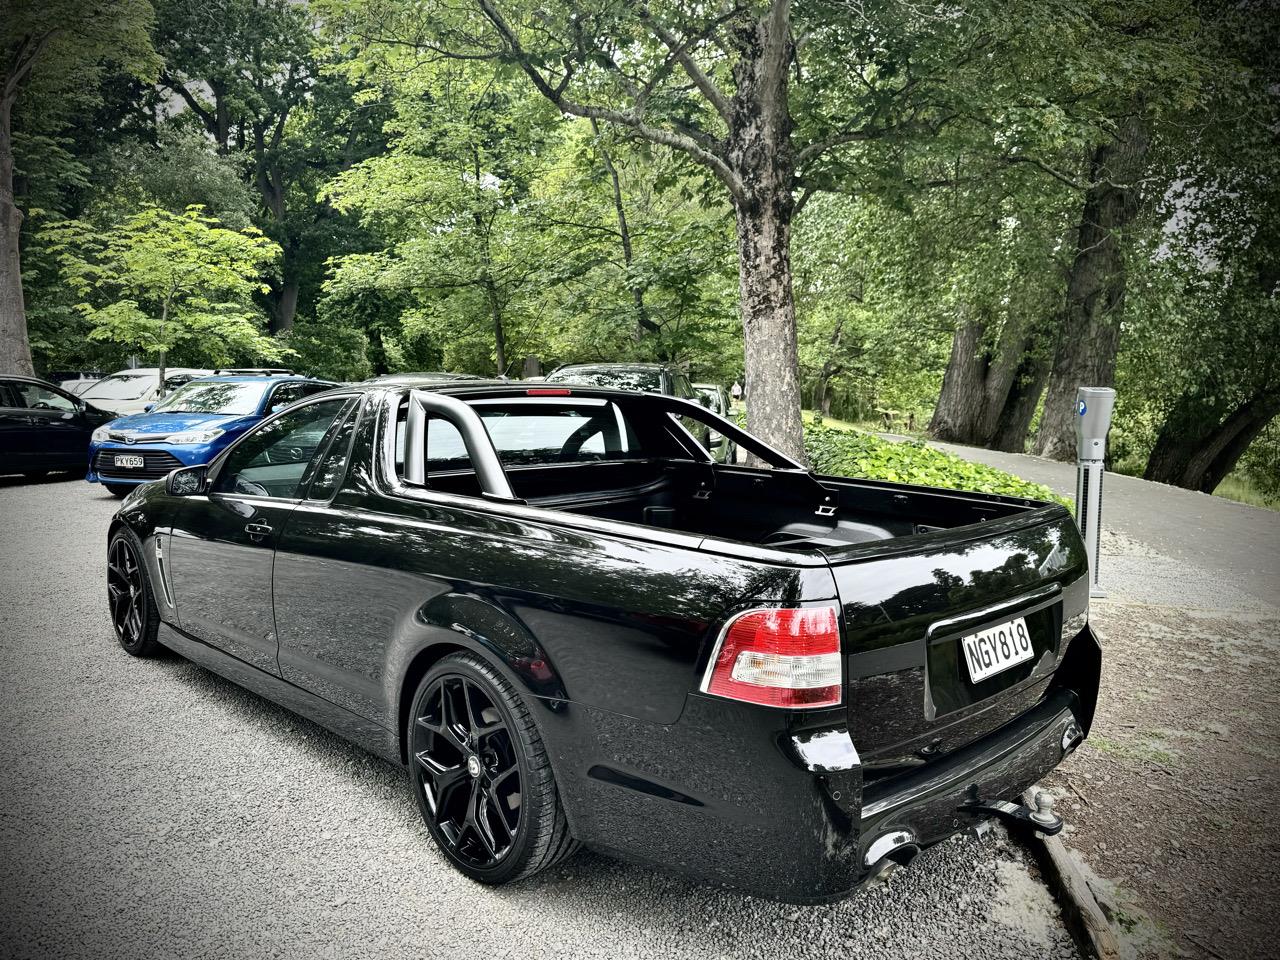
point(849, 453)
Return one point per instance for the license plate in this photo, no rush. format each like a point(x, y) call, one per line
point(997, 648)
point(131, 462)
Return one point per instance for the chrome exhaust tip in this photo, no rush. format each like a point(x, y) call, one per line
point(888, 852)
point(1072, 737)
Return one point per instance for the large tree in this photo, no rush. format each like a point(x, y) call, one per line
point(251, 73)
point(53, 53)
point(772, 101)
point(159, 280)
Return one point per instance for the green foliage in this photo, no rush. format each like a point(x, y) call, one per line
point(330, 351)
point(180, 170)
point(159, 280)
point(849, 453)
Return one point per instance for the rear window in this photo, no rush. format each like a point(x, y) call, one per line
point(578, 431)
point(530, 433)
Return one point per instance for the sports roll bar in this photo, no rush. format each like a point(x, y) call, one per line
point(687, 408)
point(422, 403)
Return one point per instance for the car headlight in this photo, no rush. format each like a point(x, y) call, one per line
point(195, 436)
point(100, 434)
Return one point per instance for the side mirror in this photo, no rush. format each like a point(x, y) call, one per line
point(147, 407)
point(188, 481)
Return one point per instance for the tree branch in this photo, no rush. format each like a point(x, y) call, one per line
point(632, 119)
point(24, 60)
point(680, 50)
point(180, 89)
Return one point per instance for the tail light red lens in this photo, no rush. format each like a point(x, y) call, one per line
point(548, 392)
point(778, 657)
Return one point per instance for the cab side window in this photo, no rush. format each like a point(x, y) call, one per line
point(272, 460)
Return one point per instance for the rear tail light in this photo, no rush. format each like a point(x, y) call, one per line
point(548, 392)
point(778, 657)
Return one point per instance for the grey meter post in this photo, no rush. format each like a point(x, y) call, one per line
point(1093, 420)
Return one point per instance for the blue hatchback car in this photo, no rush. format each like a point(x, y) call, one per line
point(189, 426)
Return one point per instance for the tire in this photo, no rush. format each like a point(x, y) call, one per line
point(468, 729)
point(120, 490)
point(130, 602)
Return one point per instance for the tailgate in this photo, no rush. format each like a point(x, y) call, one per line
point(908, 602)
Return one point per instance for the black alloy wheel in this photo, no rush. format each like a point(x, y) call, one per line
point(471, 775)
point(481, 774)
point(133, 611)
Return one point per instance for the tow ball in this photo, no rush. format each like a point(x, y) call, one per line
point(1042, 818)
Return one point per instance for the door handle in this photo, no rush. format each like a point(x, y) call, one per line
point(257, 531)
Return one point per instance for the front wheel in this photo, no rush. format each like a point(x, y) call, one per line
point(120, 490)
point(481, 774)
point(133, 609)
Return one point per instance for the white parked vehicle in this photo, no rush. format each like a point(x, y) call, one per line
point(129, 391)
point(79, 385)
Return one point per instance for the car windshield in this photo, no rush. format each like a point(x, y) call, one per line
point(647, 381)
point(121, 386)
point(232, 397)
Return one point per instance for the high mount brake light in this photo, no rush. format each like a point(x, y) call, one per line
point(547, 392)
point(778, 657)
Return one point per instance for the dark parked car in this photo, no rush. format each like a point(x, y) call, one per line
point(43, 427)
point(573, 626)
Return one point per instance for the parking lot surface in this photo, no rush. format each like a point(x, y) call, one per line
point(151, 809)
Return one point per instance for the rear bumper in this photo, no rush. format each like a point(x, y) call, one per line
point(741, 797)
point(926, 803)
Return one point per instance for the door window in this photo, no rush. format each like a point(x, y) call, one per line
point(332, 466)
point(272, 460)
point(35, 397)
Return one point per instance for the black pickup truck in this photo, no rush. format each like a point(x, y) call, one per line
point(572, 626)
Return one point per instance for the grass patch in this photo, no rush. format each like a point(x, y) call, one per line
point(1238, 488)
point(1153, 749)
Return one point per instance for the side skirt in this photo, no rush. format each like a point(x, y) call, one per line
point(363, 733)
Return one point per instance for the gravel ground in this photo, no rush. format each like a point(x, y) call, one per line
point(1172, 797)
point(151, 809)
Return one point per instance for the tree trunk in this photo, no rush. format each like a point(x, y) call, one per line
point(164, 322)
point(1014, 421)
point(499, 336)
point(1090, 335)
point(643, 323)
point(15, 348)
point(963, 395)
point(1196, 451)
point(760, 153)
point(286, 305)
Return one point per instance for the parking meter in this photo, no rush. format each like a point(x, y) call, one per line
point(1093, 420)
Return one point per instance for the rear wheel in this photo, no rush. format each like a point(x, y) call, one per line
point(121, 490)
point(133, 609)
point(482, 776)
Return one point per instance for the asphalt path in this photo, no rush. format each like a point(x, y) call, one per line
point(1229, 541)
point(152, 809)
